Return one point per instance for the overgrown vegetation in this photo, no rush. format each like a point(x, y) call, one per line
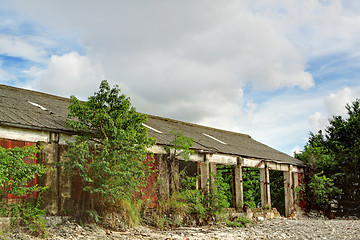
point(15, 174)
point(187, 202)
point(109, 154)
point(251, 187)
point(193, 206)
point(333, 160)
point(179, 148)
point(225, 172)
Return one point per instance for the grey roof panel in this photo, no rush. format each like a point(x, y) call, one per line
point(15, 108)
point(222, 142)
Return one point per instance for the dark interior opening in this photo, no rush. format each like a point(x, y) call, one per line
point(277, 191)
point(188, 168)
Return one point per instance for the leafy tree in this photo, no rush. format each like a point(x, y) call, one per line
point(333, 156)
point(109, 154)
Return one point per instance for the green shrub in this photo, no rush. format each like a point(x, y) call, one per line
point(110, 153)
point(14, 177)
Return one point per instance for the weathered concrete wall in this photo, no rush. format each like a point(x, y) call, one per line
point(163, 178)
point(58, 196)
point(49, 157)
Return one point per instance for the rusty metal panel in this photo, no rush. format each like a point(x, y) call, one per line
point(150, 190)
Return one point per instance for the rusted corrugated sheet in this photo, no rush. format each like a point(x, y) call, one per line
point(6, 143)
point(150, 191)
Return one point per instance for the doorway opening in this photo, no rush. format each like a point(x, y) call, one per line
point(226, 173)
point(277, 191)
point(251, 187)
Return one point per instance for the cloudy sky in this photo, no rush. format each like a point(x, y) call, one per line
point(274, 69)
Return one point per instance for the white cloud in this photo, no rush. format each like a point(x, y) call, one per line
point(21, 47)
point(192, 60)
point(228, 37)
point(335, 102)
point(67, 74)
point(317, 121)
point(296, 149)
point(4, 75)
point(334, 105)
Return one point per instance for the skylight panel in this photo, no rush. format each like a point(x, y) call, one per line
point(39, 106)
point(155, 130)
point(214, 138)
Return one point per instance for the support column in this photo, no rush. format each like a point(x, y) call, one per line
point(289, 193)
point(213, 171)
point(163, 176)
point(65, 182)
point(265, 186)
point(173, 169)
point(238, 184)
point(49, 156)
point(295, 194)
point(204, 171)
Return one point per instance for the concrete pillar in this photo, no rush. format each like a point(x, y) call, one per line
point(265, 187)
point(49, 156)
point(173, 170)
point(213, 170)
point(204, 171)
point(289, 192)
point(295, 194)
point(163, 177)
point(65, 183)
point(238, 185)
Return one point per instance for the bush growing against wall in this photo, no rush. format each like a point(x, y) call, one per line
point(15, 174)
point(190, 205)
point(187, 203)
point(109, 154)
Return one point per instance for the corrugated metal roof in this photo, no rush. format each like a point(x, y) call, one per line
point(220, 141)
point(17, 108)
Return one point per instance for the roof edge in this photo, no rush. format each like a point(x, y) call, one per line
point(37, 128)
point(195, 125)
point(38, 93)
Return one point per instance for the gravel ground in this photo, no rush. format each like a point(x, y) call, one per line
point(279, 228)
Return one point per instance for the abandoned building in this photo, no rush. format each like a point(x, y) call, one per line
point(34, 118)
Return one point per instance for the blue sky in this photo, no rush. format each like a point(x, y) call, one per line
point(275, 70)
